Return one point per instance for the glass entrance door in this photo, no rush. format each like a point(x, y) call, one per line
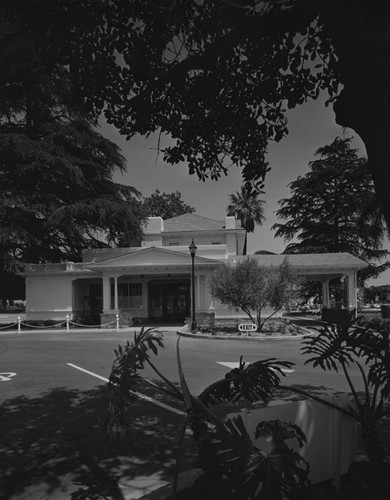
point(176, 300)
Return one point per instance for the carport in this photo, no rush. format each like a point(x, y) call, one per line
point(322, 267)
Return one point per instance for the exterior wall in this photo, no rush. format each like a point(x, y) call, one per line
point(48, 297)
point(135, 312)
point(80, 290)
point(152, 232)
point(212, 238)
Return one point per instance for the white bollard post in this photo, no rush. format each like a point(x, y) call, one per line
point(67, 323)
point(117, 322)
point(19, 321)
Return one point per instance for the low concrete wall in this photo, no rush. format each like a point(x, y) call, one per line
point(331, 435)
point(108, 317)
point(205, 319)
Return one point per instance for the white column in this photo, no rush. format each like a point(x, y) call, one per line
point(106, 293)
point(197, 292)
point(202, 292)
point(351, 290)
point(116, 307)
point(325, 293)
point(69, 295)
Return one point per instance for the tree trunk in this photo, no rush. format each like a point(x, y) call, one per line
point(361, 37)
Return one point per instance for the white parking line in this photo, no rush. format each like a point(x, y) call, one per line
point(236, 364)
point(138, 394)
point(6, 376)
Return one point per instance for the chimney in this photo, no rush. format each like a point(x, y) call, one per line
point(230, 222)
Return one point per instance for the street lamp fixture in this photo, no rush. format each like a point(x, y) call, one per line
point(193, 249)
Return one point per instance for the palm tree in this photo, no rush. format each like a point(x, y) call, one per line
point(247, 208)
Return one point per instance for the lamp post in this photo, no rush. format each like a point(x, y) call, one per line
point(193, 249)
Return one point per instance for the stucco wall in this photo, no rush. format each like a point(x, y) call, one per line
point(48, 297)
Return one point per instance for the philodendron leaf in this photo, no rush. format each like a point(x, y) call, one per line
point(253, 382)
point(124, 375)
point(238, 470)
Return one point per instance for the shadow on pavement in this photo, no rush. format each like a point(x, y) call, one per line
point(50, 443)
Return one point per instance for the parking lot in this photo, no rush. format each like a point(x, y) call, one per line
point(53, 405)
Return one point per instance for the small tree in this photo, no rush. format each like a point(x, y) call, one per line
point(250, 287)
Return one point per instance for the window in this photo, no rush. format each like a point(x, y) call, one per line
point(129, 295)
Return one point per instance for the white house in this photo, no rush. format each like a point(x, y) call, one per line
point(153, 281)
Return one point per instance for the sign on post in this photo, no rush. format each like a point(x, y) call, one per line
point(247, 327)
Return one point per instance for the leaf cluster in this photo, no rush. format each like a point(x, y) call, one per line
point(237, 468)
point(253, 381)
point(250, 287)
point(245, 206)
point(341, 346)
point(57, 196)
point(124, 377)
point(216, 77)
point(165, 205)
point(334, 207)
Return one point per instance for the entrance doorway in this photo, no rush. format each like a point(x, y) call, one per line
point(169, 301)
point(176, 300)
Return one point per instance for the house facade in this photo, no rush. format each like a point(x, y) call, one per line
point(153, 281)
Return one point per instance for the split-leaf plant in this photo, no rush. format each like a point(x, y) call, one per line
point(233, 467)
point(346, 345)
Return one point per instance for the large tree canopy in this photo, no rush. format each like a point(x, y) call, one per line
point(165, 205)
point(333, 208)
point(57, 195)
point(217, 76)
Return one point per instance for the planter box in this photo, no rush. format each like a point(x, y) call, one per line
point(385, 311)
point(337, 316)
point(331, 435)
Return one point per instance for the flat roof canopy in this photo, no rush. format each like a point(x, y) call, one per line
point(313, 265)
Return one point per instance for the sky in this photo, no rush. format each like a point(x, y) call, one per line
point(310, 125)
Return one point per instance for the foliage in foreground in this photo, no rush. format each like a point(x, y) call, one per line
point(236, 467)
point(341, 346)
point(233, 467)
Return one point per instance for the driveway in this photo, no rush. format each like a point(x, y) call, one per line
point(53, 407)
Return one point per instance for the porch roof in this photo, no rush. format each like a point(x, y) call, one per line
point(320, 264)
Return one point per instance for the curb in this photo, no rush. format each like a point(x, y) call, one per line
point(245, 338)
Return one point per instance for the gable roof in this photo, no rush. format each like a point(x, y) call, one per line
point(151, 257)
point(192, 222)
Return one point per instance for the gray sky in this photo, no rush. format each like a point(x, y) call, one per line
point(311, 126)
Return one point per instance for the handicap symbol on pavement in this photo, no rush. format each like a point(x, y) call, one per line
point(6, 376)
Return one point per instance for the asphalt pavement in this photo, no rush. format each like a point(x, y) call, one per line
point(53, 402)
